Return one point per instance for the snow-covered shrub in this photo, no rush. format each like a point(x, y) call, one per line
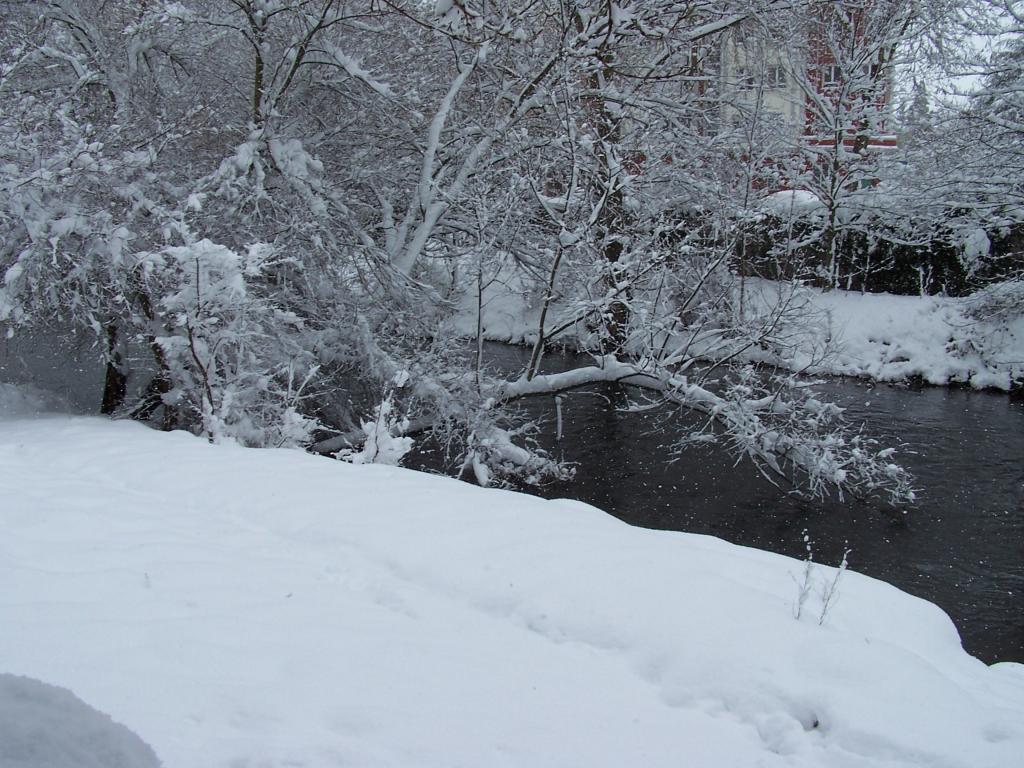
point(975, 247)
point(235, 363)
point(998, 303)
point(993, 329)
point(64, 253)
point(873, 251)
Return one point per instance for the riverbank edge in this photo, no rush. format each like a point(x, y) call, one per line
point(914, 341)
point(213, 573)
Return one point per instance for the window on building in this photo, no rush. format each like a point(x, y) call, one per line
point(774, 77)
point(769, 78)
point(832, 74)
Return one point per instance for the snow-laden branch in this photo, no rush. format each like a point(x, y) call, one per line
point(431, 201)
point(427, 193)
point(607, 370)
point(780, 430)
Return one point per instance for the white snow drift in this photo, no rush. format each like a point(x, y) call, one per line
point(237, 607)
point(43, 726)
point(879, 336)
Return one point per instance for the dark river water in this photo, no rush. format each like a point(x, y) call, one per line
point(961, 546)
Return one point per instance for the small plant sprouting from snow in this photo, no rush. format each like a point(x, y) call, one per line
point(804, 584)
point(828, 590)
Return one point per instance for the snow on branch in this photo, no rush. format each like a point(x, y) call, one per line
point(775, 422)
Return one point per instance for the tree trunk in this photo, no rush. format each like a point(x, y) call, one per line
point(115, 384)
point(161, 383)
point(613, 220)
point(257, 28)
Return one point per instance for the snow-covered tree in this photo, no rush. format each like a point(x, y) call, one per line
point(276, 214)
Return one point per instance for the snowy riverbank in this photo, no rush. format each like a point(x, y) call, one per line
point(878, 336)
point(266, 607)
point(934, 339)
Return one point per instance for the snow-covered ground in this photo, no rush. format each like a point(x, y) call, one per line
point(239, 607)
point(892, 338)
point(872, 335)
point(45, 726)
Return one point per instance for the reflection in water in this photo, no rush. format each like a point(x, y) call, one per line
point(961, 546)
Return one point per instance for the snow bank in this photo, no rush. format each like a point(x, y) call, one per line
point(510, 311)
point(893, 338)
point(880, 336)
point(43, 726)
point(792, 202)
point(268, 608)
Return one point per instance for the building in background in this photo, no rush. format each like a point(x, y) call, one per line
point(818, 90)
